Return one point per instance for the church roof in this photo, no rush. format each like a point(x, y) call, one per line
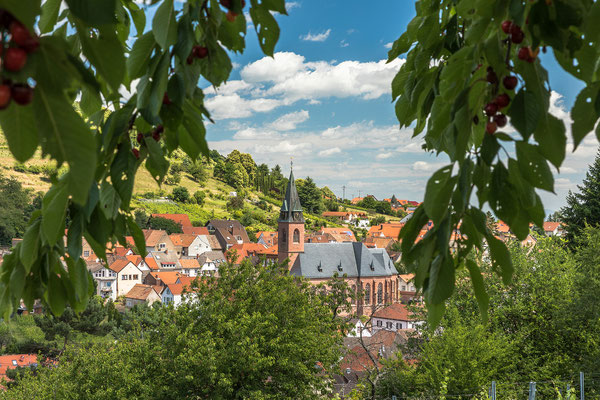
point(323, 260)
point(291, 202)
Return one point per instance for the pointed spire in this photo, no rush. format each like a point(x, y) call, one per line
point(291, 209)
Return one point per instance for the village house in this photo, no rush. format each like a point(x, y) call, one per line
point(346, 217)
point(553, 229)
point(189, 245)
point(158, 241)
point(171, 294)
point(162, 278)
point(127, 274)
point(370, 272)
point(394, 317)
point(268, 238)
point(190, 267)
point(406, 286)
point(166, 261)
point(195, 230)
point(386, 230)
point(12, 361)
point(105, 280)
point(210, 262)
point(253, 251)
point(228, 232)
point(141, 294)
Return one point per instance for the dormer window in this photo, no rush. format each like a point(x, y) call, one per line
point(320, 267)
point(372, 266)
point(339, 267)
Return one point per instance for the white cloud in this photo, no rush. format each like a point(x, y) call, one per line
point(330, 152)
point(343, 43)
point(289, 121)
point(318, 37)
point(388, 45)
point(292, 4)
point(427, 166)
point(287, 78)
point(383, 156)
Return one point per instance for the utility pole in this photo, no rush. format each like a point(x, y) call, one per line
point(358, 192)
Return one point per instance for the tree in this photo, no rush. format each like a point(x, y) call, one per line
point(226, 341)
point(583, 207)
point(235, 203)
point(164, 224)
point(15, 209)
point(180, 194)
point(368, 202)
point(383, 207)
point(199, 197)
point(90, 54)
point(141, 218)
point(476, 68)
point(310, 195)
point(198, 172)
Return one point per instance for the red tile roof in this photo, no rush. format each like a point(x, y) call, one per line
point(176, 288)
point(153, 236)
point(182, 239)
point(119, 264)
point(151, 262)
point(189, 263)
point(396, 311)
point(140, 292)
point(195, 230)
point(551, 226)
point(391, 230)
point(21, 360)
point(181, 219)
point(167, 277)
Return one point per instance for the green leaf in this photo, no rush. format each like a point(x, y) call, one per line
point(216, 67)
point(584, 114)
point(78, 274)
point(109, 200)
point(66, 137)
point(138, 235)
point(534, 167)
point(152, 93)
point(266, 27)
point(500, 258)
point(93, 12)
point(435, 312)
point(400, 46)
point(164, 25)
point(75, 233)
point(17, 281)
point(552, 139)
point(56, 295)
point(441, 279)
point(156, 164)
point(28, 250)
point(18, 125)
point(232, 34)
point(54, 208)
point(438, 192)
point(49, 15)
point(26, 11)
point(481, 295)
point(139, 56)
point(112, 68)
point(525, 113)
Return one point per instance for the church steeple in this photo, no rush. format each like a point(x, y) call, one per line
point(291, 209)
point(290, 231)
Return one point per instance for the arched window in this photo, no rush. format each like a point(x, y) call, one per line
point(296, 236)
point(393, 297)
point(283, 236)
point(353, 293)
point(379, 293)
point(387, 292)
point(368, 294)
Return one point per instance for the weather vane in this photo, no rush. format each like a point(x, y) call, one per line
point(291, 163)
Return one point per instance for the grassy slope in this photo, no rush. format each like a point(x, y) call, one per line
point(215, 206)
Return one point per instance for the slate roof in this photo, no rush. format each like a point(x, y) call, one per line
point(291, 202)
point(323, 260)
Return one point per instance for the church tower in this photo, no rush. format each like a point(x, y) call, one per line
point(290, 238)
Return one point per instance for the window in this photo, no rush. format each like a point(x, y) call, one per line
point(398, 325)
point(379, 293)
point(124, 278)
point(368, 293)
point(379, 322)
point(108, 284)
point(403, 287)
point(388, 325)
point(135, 277)
point(162, 246)
point(296, 236)
point(14, 362)
point(86, 253)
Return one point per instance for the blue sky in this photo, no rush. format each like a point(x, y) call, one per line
point(325, 101)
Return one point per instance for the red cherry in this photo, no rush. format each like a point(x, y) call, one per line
point(506, 26)
point(140, 137)
point(156, 136)
point(516, 34)
point(491, 128)
point(500, 120)
point(491, 109)
point(31, 44)
point(22, 93)
point(20, 34)
point(189, 60)
point(4, 96)
point(243, 3)
point(200, 51)
point(15, 59)
point(502, 100)
point(523, 53)
point(136, 153)
point(159, 129)
point(491, 76)
point(510, 82)
point(166, 99)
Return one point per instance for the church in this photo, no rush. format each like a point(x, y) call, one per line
point(370, 271)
